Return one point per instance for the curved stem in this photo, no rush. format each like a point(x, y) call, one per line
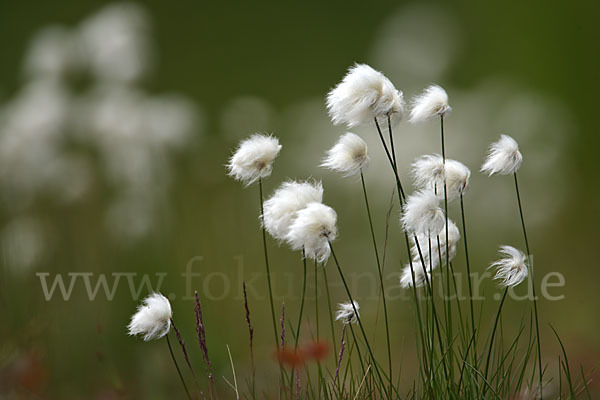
point(177, 366)
point(362, 329)
point(537, 326)
point(487, 362)
point(382, 289)
point(464, 226)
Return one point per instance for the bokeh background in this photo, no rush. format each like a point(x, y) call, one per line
point(116, 120)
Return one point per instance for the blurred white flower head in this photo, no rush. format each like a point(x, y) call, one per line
point(253, 159)
point(115, 43)
point(280, 210)
point(457, 178)
point(346, 314)
point(349, 156)
point(431, 103)
point(503, 157)
point(422, 214)
point(406, 278)
point(312, 230)
point(512, 269)
point(436, 252)
point(152, 319)
point(362, 95)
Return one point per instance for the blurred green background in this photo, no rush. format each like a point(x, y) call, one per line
point(113, 154)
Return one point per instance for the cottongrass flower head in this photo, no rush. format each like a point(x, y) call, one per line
point(152, 319)
point(349, 156)
point(406, 279)
point(457, 178)
point(281, 208)
point(431, 173)
point(423, 240)
point(428, 172)
point(512, 269)
point(346, 314)
point(422, 214)
point(503, 157)
point(431, 103)
point(312, 230)
point(362, 95)
point(253, 159)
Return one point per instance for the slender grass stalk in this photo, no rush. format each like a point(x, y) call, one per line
point(385, 312)
point(187, 392)
point(251, 340)
point(301, 311)
point(491, 346)
point(464, 226)
point(264, 237)
point(535, 310)
point(330, 309)
point(360, 324)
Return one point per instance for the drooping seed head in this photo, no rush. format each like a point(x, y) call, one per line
point(346, 314)
point(152, 319)
point(512, 269)
point(422, 214)
point(431, 103)
point(349, 156)
point(312, 230)
point(503, 157)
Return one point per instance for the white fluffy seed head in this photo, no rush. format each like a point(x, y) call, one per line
point(457, 178)
point(428, 172)
point(512, 269)
point(281, 208)
point(406, 279)
point(346, 314)
point(312, 230)
point(432, 102)
point(253, 159)
point(362, 95)
point(152, 319)
point(503, 157)
point(422, 214)
point(423, 240)
point(349, 156)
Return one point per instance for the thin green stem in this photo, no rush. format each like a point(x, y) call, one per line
point(177, 367)
point(487, 362)
point(535, 310)
point(264, 237)
point(362, 329)
point(330, 310)
point(302, 298)
point(382, 289)
point(464, 226)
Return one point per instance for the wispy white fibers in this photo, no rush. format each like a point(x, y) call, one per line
point(422, 214)
point(152, 319)
point(281, 208)
point(362, 95)
point(312, 229)
point(503, 157)
point(512, 269)
point(420, 279)
point(432, 102)
point(349, 156)
point(457, 178)
point(253, 159)
point(429, 172)
point(423, 240)
point(346, 314)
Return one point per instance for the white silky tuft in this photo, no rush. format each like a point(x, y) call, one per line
point(503, 157)
point(422, 214)
point(362, 95)
point(432, 102)
point(346, 314)
point(457, 178)
point(349, 156)
point(429, 172)
point(281, 208)
point(423, 240)
point(312, 230)
point(253, 159)
point(152, 319)
point(512, 269)
point(406, 279)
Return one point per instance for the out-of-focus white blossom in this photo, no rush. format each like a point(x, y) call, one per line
point(346, 313)
point(362, 95)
